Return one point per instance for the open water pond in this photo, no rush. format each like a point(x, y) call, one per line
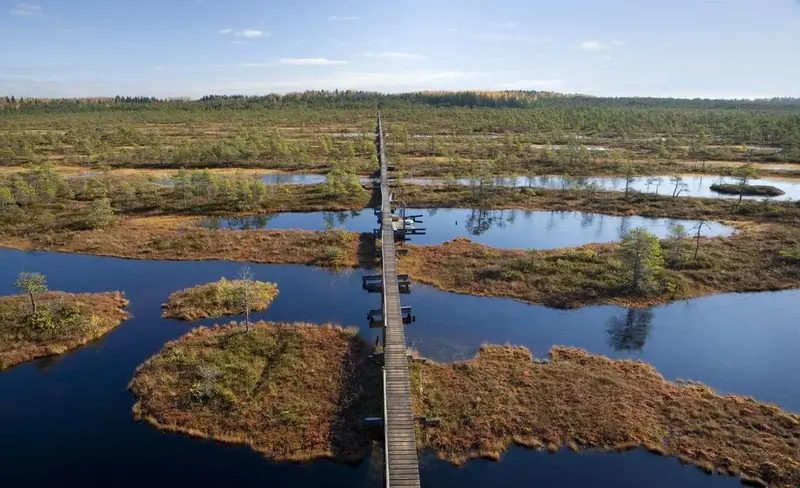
point(514, 229)
point(67, 420)
point(696, 185)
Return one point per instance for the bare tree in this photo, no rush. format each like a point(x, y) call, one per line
point(680, 186)
point(240, 294)
point(699, 228)
point(630, 177)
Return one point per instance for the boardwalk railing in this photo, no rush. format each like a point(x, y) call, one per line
point(402, 462)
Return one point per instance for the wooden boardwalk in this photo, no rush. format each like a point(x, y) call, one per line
point(402, 463)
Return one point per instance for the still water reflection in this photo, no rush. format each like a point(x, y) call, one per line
point(496, 228)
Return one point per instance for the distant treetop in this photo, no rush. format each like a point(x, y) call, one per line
point(364, 99)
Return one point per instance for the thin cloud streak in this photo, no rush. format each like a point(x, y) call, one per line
point(394, 55)
point(506, 37)
point(248, 33)
point(311, 62)
point(26, 10)
point(595, 45)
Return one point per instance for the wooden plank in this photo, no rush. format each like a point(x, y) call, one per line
point(402, 461)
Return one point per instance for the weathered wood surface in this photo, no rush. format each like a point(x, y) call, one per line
point(402, 463)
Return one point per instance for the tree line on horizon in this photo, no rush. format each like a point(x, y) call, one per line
point(364, 99)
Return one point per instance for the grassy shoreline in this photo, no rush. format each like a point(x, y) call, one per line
point(748, 261)
point(262, 389)
point(217, 299)
point(78, 320)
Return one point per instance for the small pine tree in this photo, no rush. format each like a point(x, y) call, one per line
point(101, 214)
point(31, 283)
point(640, 253)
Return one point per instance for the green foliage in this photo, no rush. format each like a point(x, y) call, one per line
point(641, 256)
point(32, 284)
point(6, 198)
point(100, 215)
point(343, 185)
point(791, 255)
point(42, 320)
point(676, 245)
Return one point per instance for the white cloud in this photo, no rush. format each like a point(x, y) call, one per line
point(502, 25)
point(342, 18)
point(311, 61)
point(248, 33)
point(595, 45)
point(26, 10)
point(452, 29)
point(505, 37)
point(251, 33)
point(394, 55)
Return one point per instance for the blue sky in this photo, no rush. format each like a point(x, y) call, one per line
point(686, 48)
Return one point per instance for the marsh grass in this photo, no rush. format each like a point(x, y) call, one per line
point(300, 392)
point(290, 391)
point(217, 299)
point(63, 321)
point(582, 401)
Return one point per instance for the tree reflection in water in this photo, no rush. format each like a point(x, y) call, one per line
point(239, 223)
point(629, 331)
point(480, 221)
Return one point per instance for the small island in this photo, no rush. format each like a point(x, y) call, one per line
point(220, 298)
point(42, 323)
point(300, 392)
point(747, 190)
point(293, 392)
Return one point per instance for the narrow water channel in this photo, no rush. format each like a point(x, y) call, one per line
point(696, 185)
point(67, 420)
point(511, 229)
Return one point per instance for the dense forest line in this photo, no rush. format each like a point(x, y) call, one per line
point(364, 99)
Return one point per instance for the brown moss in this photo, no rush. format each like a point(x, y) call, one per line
point(300, 392)
point(748, 261)
point(213, 300)
point(574, 277)
point(585, 401)
point(78, 319)
point(155, 238)
point(290, 391)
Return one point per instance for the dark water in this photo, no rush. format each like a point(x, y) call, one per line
point(696, 185)
point(496, 228)
point(67, 420)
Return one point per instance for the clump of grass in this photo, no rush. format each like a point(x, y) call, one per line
point(219, 299)
point(579, 400)
point(290, 391)
point(61, 322)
